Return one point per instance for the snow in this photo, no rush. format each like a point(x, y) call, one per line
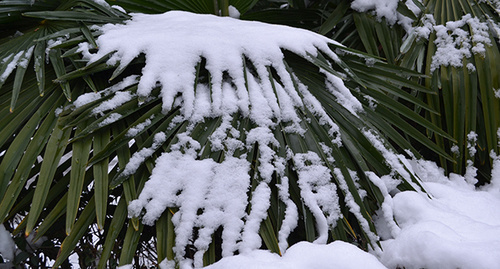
point(105, 4)
point(497, 93)
point(140, 156)
point(132, 132)
point(7, 245)
point(27, 56)
point(291, 214)
point(100, 2)
point(344, 96)
point(471, 67)
point(304, 255)
point(383, 8)
point(393, 160)
point(470, 170)
point(193, 185)
point(495, 172)
point(416, 230)
point(119, 99)
point(260, 203)
point(234, 12)
point(387, 9)
point(110, 119)
point(354, 208)
point(13, 62)
point(456, 40)
point(174, 43)
point(458, 226)
point(86, 98)
point(454, 43)
point(318, 192)
point(115, 101)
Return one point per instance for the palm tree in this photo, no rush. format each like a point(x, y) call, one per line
point(65, 152)
point(459, 58)
point(464, 81)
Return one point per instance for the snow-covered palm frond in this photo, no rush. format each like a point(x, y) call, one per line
point(228, 114)
point(215, 131)
point(457, 48)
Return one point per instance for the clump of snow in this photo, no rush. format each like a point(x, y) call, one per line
point(451, 45)
point(93, 96)
point(387, 9)
point(471, 67)
point(7, 245)
point(132, 132)
point(119, 99)
point(383, 9)
point(192, 185)
point(175, 42)
point(105, 4)
point(495, 172)
point(457, 228)
point(290, 220)
point(428, 23)
point(250, 239)
point(52, 43)
point(372, 103)
point(27, 56)
point(119, 8)
point(303, 255)
point(315, 107)
point(13, 62)
point(226, 136)
point(140, 156)
point(453, 41)
point(344, 96)
point(470, 170)
point(497, 93)
point(455, 150)
point(385, 211)
point(86, 98)
point(392, 159)
point(234, 12)
point(101, 2)
point(260, 201)
point(113, 117)
point(318, 192)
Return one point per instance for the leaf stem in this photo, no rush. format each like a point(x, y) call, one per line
point(224, 7)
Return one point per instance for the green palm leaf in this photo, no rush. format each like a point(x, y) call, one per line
point(466, 101)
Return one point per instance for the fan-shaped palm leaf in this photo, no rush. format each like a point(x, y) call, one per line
point(302, 128)
point(457, 48)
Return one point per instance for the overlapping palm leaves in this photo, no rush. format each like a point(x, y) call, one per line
point(465, 99)
point(46, 146)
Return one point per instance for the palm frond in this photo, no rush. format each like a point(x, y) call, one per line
point(466, 102)
point(104, 129)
